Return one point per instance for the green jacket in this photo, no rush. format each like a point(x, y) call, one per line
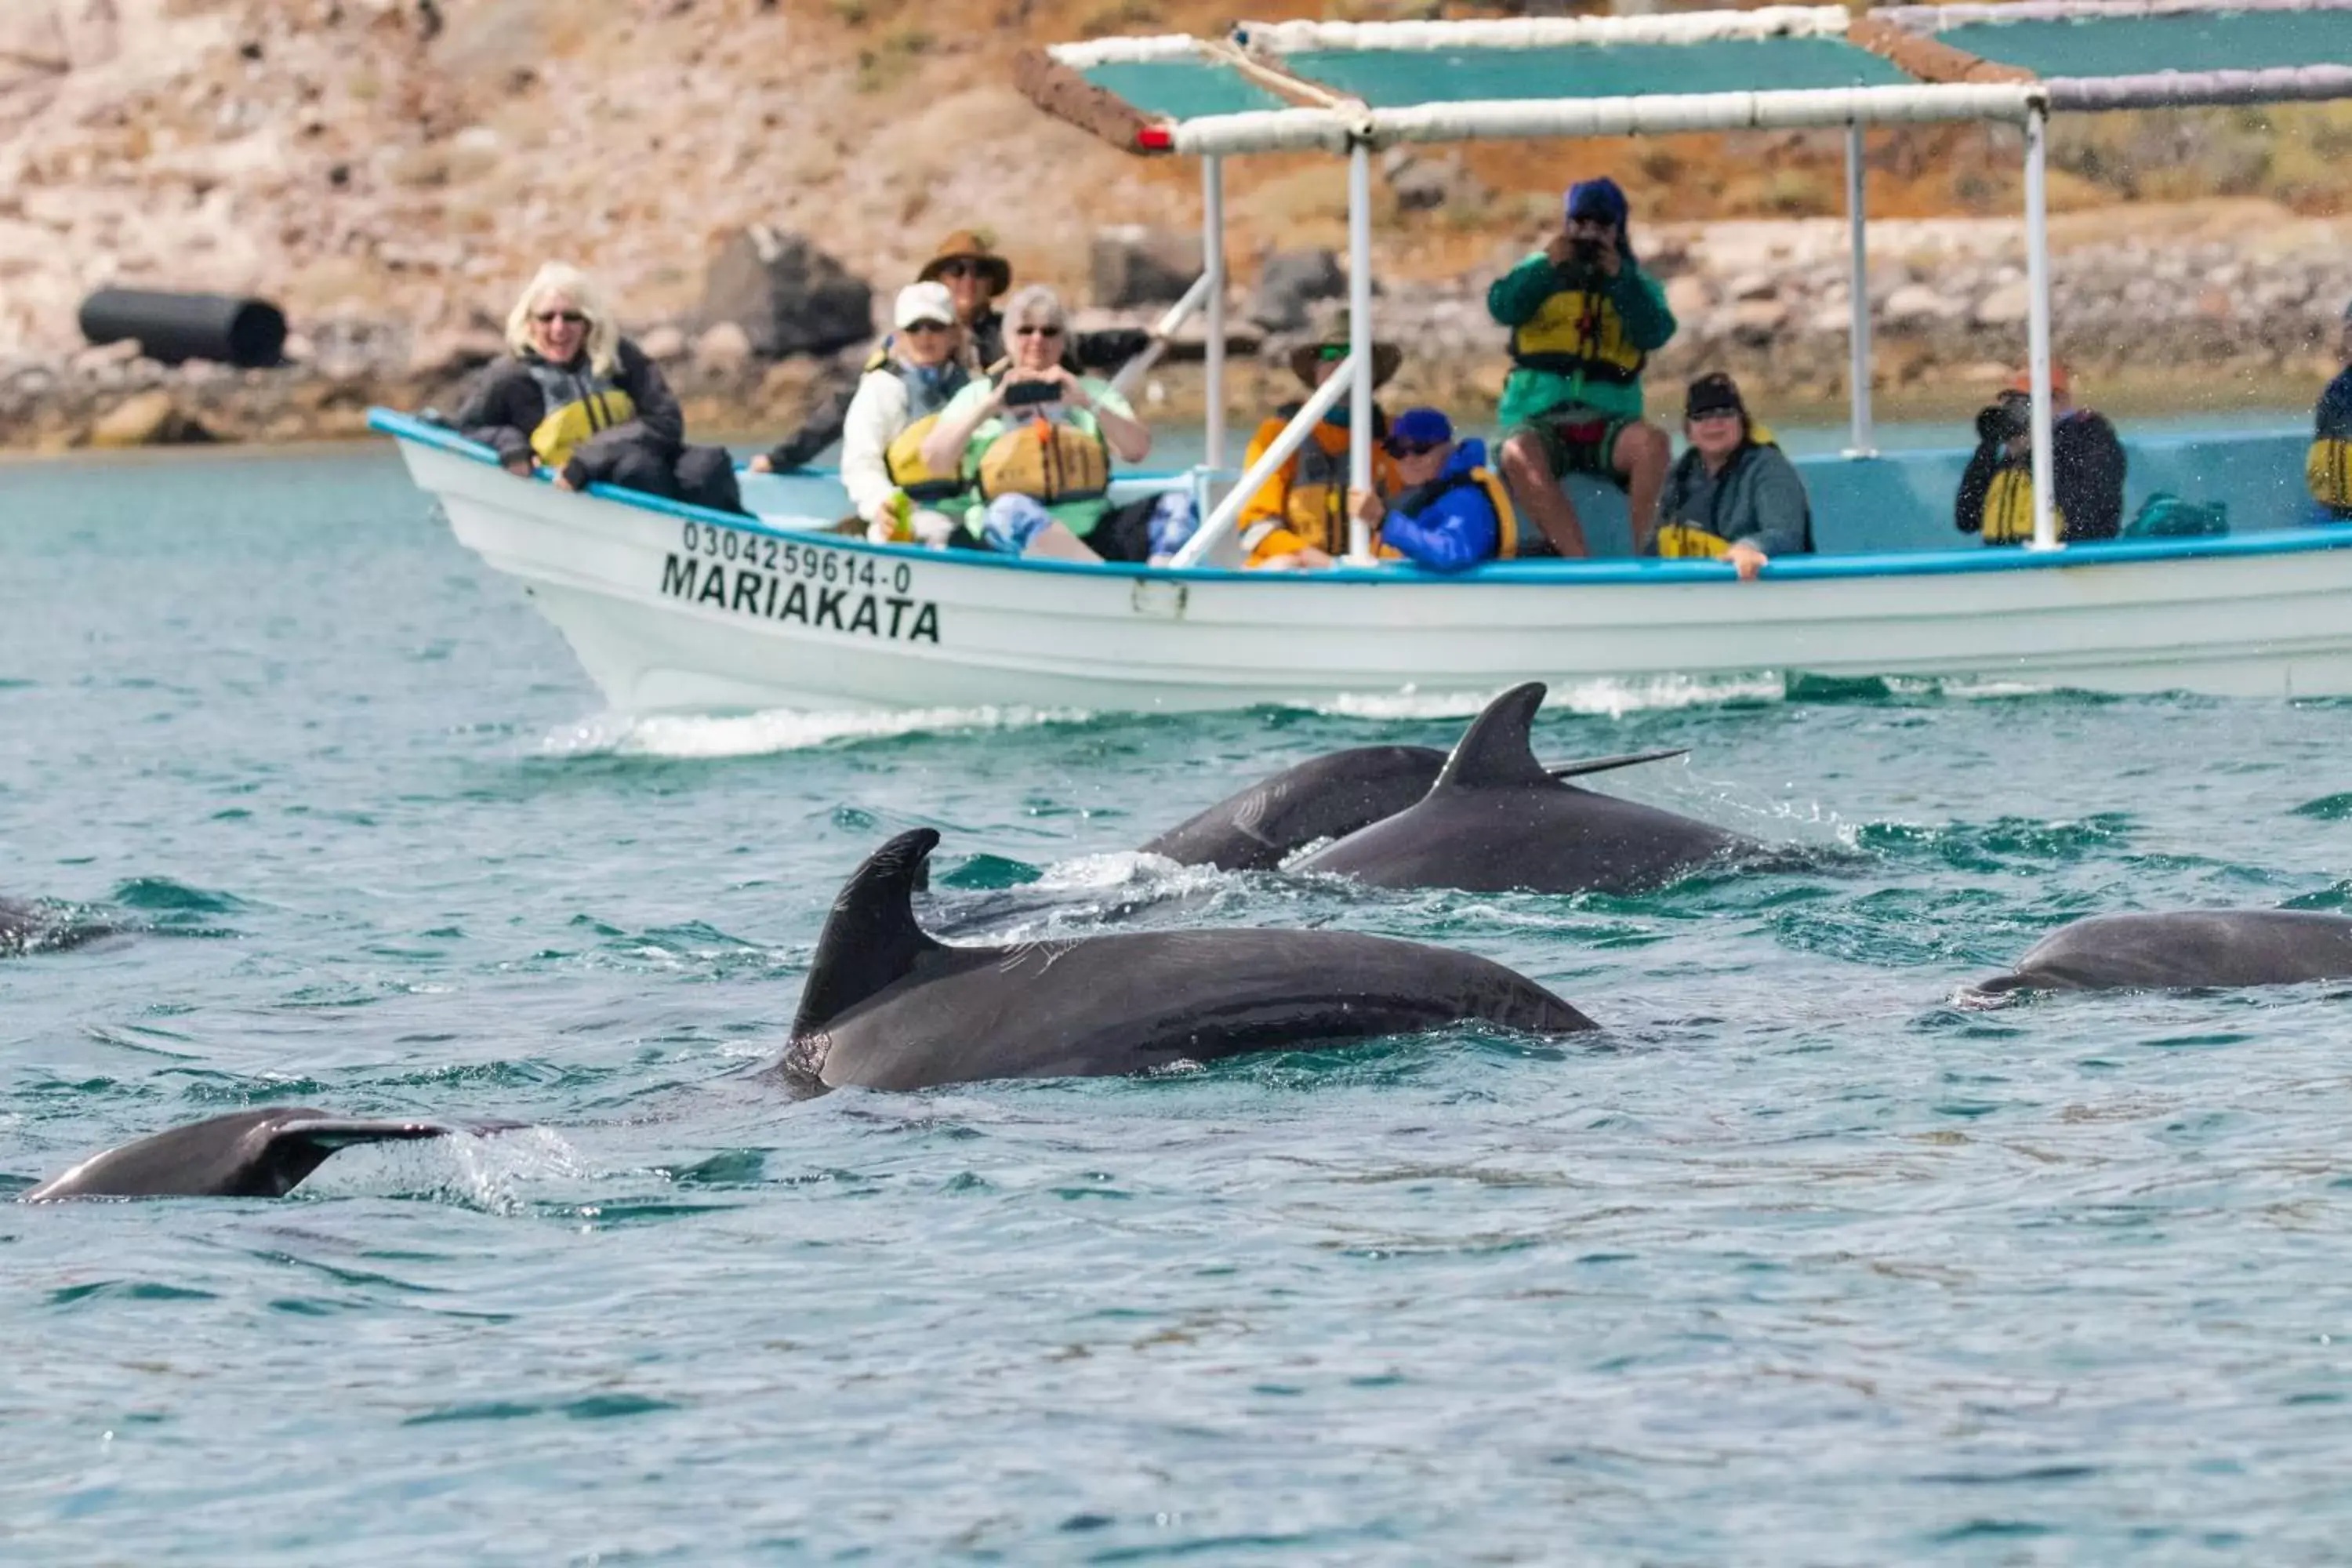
point(1518, 297)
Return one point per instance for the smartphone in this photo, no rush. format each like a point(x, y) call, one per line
point(1021, 394)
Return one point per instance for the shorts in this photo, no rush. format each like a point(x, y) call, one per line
point(1579, 441)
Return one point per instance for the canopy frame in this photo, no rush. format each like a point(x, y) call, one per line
point(1946, 84)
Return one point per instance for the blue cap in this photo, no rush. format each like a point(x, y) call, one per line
point(1420, 428)
point(1598, 199)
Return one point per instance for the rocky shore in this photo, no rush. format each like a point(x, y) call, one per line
point(2203, 299)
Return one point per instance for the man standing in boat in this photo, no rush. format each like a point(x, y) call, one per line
point(1584, 320)
point(2087, 465)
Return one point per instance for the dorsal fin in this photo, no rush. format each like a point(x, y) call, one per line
point(870, 938)
point(1583, 765)
point(1496, 751)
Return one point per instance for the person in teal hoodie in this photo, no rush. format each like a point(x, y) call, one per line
point(1452, 512)
point(1584, 320)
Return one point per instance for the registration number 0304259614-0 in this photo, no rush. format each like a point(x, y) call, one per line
point(785, 580)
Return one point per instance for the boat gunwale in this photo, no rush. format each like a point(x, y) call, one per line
point(1551, 573)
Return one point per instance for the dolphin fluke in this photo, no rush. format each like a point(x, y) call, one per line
point(1498, 752)
point(263, 1153)
point(871, 938)
point(1582, 767)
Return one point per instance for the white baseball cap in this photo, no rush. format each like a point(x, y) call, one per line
point(924, 303)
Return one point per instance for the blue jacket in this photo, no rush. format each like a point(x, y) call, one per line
point(1448, 524)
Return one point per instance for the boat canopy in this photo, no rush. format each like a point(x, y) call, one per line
point(1295, 86)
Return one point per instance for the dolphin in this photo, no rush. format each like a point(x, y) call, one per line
point(34, 928)
point(2187, 948)
point(263, 1153)
point(886, 1006)
point(1495, 819)
point(1327, 796)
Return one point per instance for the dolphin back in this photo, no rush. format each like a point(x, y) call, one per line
point(263, 1153)
point(2185, 948)
point(1327, 796)
point(1139, 1001)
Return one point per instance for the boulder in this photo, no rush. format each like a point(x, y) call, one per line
point(1289, 282)
point(147, 420)
point(1689, 297)
point(2006, 305)
point(784, 295)
point(664, 345)
point(722, 349)
point(1423, 184)
point(1757, 320)
point(1919, 304)
point(1133, 265)
point(439, 355)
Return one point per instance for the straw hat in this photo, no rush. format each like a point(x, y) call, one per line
point(1386, 357)
point(970, 245)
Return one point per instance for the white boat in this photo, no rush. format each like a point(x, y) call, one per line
point(673, 608)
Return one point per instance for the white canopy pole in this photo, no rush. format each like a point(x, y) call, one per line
point(1220, 524)
point(1360, 339)
point(1212, 267)
point(2037, 280)
point(1864, 440)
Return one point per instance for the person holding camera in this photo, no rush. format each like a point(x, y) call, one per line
point(1584, 320)
point(2086, 463)
point(1040, 441)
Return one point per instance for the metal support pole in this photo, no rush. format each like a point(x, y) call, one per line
point(1864, 440)
point(1213, 266)
point(1360, 339)
point(2037, 279)
point(1220, 521)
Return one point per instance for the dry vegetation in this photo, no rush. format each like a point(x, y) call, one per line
point(393, 159)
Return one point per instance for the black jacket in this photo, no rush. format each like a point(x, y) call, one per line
point(2086, 462)
point(508, 401)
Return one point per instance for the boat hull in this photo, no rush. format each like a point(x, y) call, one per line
point(674, 609)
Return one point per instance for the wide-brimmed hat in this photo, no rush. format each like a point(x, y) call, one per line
point(970, 245)
point(1386, 357)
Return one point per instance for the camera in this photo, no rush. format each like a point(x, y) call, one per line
point(1584, 256)
point(1022, 393)
point(2009, 418)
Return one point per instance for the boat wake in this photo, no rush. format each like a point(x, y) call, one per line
point(1603, 698)
point(693, 738)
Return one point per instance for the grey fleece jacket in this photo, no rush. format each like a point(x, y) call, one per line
point(1758, 497)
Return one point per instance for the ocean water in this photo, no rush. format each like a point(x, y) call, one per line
point(1799, 1261)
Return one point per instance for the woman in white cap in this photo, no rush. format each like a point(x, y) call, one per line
point(897, 404)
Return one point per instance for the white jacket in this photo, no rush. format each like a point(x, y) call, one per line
point(877, 411)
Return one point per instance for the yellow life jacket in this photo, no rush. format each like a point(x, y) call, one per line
point(2009, 508)
point(567, 425)
point(1051, 462)
point(1681, 541)
point(902, 459)
point(1578, 332)
point(2328, 471)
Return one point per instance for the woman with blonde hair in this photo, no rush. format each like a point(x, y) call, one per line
point(575, 398)
point(1038, 441)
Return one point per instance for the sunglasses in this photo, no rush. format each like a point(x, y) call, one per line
point(1036, 331)
point(960, 269)
point(1712, 415)
point(569, 318)
point(1413, 448)
point(928, 327)
point(1331, 353)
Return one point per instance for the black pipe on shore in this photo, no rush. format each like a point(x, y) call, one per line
point(175, 327)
